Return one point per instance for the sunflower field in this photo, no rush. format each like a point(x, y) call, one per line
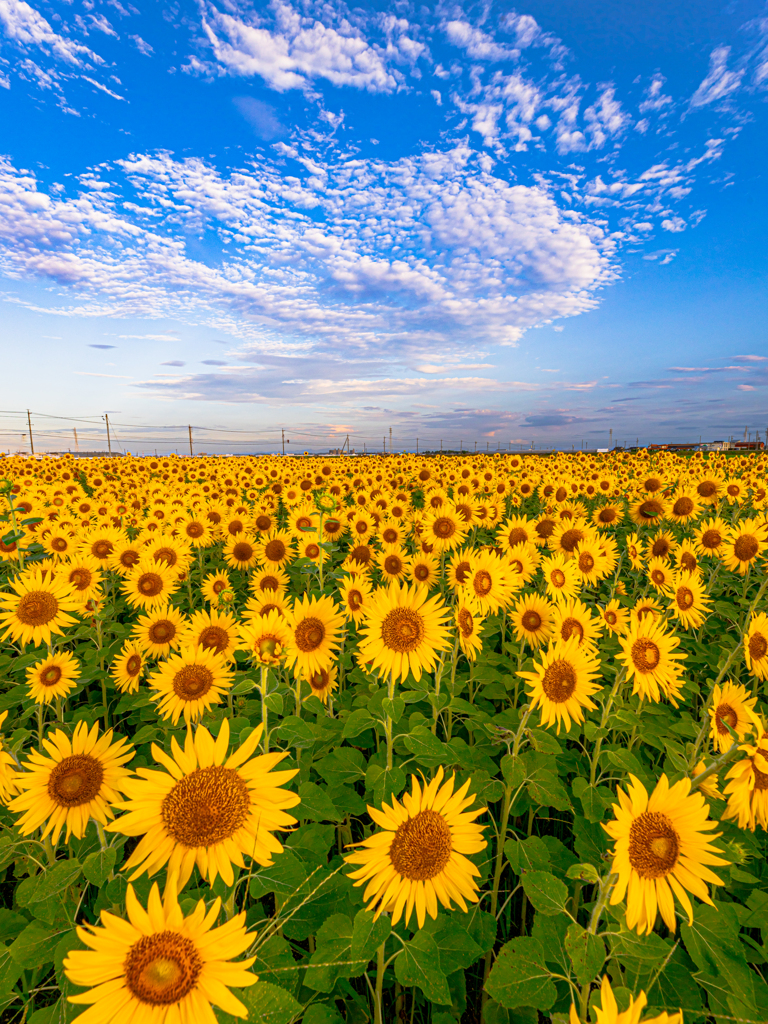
point(399, 739)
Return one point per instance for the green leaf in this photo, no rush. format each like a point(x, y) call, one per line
point(296, 732)
point(268, 1004)
point(343, 766)
point(527, 855)
point(456, 947)
point(482, 928)
point(520, 977)
point(49, 883)
point(546, 790)
point(546, 893)
point(321, 1013)
point(419, 964)
point(316, 805)
point(358, 722)
point(97, 866)
point(312, 842)
point(35, 945)
point(11, 924)
point(428, 750)
point(282, 878)
point(368, 934)
point(333, 958)
point(275, 963)
point(513, 770)
point(394, 707)
point(587, 952)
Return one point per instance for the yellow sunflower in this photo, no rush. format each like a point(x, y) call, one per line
point(266, 637)
point(424, 571)
point(661, 545)
point(243, 552)
point(83, 574)
point(747, 789)
point(176, 554)
point(149, 584)
point(268, 581)
point(315, 623)
point(80, 779)
point(355, 594)
point(421, 855)
point(59, 543)
point(266, 602)
point(457, 569)
point(516, 530)
point(196, 531)
point(159, 631)
point(648, 510)
point(208, 808)
point(214, 631)
point(685, 506)
point(646, 608)
point(659, 574)
point(489, 583)
point(264, 520)
point(711, 536)
point(745, 542)
point(562, 683)
point(322, 684)
point(689, 604)
point(189, 683)
point(756, 646)
point(573, 618)
point(685, 556)
point(560, 576)
point(403, 631)
point(522, 561)
point(732, 706)
point(532, 619)
point(37, 608)
point(444, 528)
point(392, 563)
point(615, 617)
point(100, 542)
point(468, 623)
point(651, 658)
point(216, 586)
point(55, 676)
point(607, 516)
point(127, 668)
point(608, 1011)
point(159, 966)
point(125, 555)
point(661, 850)
point(8, 767)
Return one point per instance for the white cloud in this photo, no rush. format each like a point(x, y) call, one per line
point(720, 82)
point(27, 27)
point(477, 43)
point(674, 224)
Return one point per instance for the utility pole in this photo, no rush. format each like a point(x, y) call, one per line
point(77, 443)
point(417, 446)
point(109, 439)
point(384, 444)
point(190, 439)
point(31, 442)
point(441, 446)
point(283, 433)
point(610, 439)
point(390, 440)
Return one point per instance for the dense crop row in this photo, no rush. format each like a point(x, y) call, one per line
point(384, 739)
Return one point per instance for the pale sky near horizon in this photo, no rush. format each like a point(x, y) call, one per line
point(462, 221)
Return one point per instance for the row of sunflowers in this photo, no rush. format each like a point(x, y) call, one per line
point(388, 739)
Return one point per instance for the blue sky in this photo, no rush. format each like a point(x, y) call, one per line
point(472, 221)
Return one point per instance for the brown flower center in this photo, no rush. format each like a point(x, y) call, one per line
point(545, 528)
point(75, 780)
point(80, 578)
point(725, 714)
point(214, 638)
point(557, 578)
point(688, 561)
point(660, 547)
point(444, 528)
point(683, 507)
point(650, 510)
point(645, 654)
point(607, 515)
point(466, 623)
point(162, 631)
point(150, 584)
point(37, 608)
point(421, 573)
point(51, 675)
point(355, 600)
point(761, 778)
point(319, 680)
point(757, 646)
point(745, 548)
point(312, 551)
point(263, 522)
point(461, 572)
point(684, 598)
point(133, 665)
point(402, 630)
point(192, 682)
point(161, 969)
point(711, 539)
point(194, 530)
point(206, 807)
point(59, 544)
point(482, 583)
point(706, 488)
point(393, 565)
point(571, 627)
point(559, 681)
point(167, 555)
point(517, 536)
point(128, 558)
point(654, 845)
point(243, 551)
point(531, 620)
point(362, 553)
point(658, 576)
point(102, 548)
point(421, 847)
point(586, 562)
point(309, 634)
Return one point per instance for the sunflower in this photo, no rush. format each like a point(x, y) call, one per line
point(196, 531)
point(734, 491)
point(489, 583)
point(685, 506)
point(745, 542)
point(690, 605)
point(468, 622)
point(268, 581)
point(215, 585)
point(360, 559)
point(424, 571)
point(309, 547)
point(264, 520)
point(334, 528)
point(572, 618)
point(150, 583)
point(543, 529)
point(516, 530)
point(159, 965)
point(100, 542)
point(756, 646)
point(243, 552)
point(615, 618)
point(646, 608)
point(403, 631)
point(457, 569)
point(590, 560)
point(393, 564)
point(532, 619)
point(661, 850)
point(176, 554)
point(355, 594)
point(635, 551)
point(733, 707)
point(659, 575)
point(710, 537)
point(608, 516)
point(264, 603)
point(709, 787)
point(215, 631)
point(709, 488)
point(685, 556)
point(608, 1011)
point(83, 574)
point(563, 682)
point(421, 856)
point(322, 684)
point(661, 545)
point(648, 510)
point(80, 779)
point(127, 668)
point(159, 631)
point(444, 528)
point(362, 526)
point(391, 531)
point(265, 637)
point(303, 520)
point(232, 525)
point(59, 543)
point(210, 809)
point(37, 608)
point(561, 577)
point(53, 677)
point(314, 638)
point(651, 659)
point(8, 767)
point(125, 555)
point(522, 561)
point(568, 535)
point(189, 683)
point(747, 790)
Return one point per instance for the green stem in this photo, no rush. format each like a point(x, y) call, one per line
point(603, 722)
point(378, 1017)
point(606, 888)
point(715, 767)
point(388, 723)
